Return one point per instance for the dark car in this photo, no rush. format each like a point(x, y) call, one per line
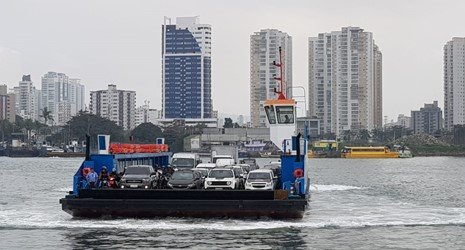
point(138, 176)
point(202, 171)
point(251, 162)
point(275, 166)
point(240, 173)
point(186, 179)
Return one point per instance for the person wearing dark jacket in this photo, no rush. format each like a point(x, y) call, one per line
point(103, 176)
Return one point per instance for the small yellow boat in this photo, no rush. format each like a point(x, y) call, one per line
point(368, 152)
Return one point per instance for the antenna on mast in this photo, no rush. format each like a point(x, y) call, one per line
point(280, 79)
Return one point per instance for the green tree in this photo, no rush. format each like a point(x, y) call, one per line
point(47, 115)
point(379, 135)
point(347, 135)
point(86, 123)
point(6, 128)
point(329, 136)
point(146, 133)
point(174, 137)
point(364, 135)
point(228, 123)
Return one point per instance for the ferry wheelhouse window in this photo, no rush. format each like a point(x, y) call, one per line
point(285, 114)
point(270, 114)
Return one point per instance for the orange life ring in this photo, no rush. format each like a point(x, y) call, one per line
point(85, 171)
point(298, 173)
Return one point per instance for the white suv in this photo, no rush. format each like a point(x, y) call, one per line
point(260, 179)
point(221, 178)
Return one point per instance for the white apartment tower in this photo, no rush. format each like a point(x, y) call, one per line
point(55, 96)
point(345, 81)
point(116, 105)
point(27, 99)
point(76, 95)
point(63, 96)
point(145, 114)
point(454, 83)
point(264, 49)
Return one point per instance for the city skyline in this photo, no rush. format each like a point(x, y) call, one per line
point(125, 48)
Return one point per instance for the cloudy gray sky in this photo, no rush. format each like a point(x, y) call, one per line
point(119, 42)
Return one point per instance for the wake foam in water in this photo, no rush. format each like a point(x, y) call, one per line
point(63, 190)
point(332, 187)
point(39, 220)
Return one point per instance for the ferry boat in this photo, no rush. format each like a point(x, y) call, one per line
point(324, 149)
point(368, 152)
point(289, 200)
point(404, 151)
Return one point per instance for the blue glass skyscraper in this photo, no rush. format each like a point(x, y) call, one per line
point(186, 69)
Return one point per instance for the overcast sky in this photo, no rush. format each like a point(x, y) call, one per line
point(119, 42)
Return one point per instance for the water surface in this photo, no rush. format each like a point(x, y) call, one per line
point(386, 203)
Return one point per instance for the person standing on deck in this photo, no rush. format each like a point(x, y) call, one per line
point(92, 178)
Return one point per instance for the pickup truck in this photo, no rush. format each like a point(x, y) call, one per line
point(138, 176)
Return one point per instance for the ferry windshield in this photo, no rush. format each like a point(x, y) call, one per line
point(285, 114)
point(182, 162)
point(270, 114)
point(138, 171)
point(182, 176)
point(221, 174)
point(261, 176)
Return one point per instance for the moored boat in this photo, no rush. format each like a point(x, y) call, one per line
point(404, 151)
point(368, 152)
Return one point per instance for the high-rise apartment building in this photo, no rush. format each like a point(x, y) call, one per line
point(76, 95)
point(402, 121)
point(264, 50)
point(145, 114)
point(61, 95)
point(55, 96)
point(345, 80)
point(186, 69)
point(378, 87)
point(7, 104)
point(427, 120)
point(116, 105)
point(454, 83)
point(27, 99)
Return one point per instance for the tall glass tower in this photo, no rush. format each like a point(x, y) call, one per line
point(186, 69)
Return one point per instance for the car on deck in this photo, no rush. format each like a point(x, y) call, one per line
point(221, 178)
point(186, 179)
point(138, 176)
point(240, 174)
point(251, 162)
point(202, 171)
point(260, 179)
point(208, 166)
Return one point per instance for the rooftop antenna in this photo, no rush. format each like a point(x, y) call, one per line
point(280, 79)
